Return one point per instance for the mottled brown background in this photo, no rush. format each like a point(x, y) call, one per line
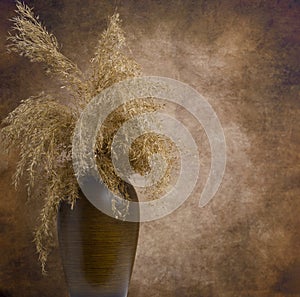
point(243, 56)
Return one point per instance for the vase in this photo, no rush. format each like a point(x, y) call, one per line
point(97, 251)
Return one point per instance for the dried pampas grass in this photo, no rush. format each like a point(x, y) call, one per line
point(41, 127)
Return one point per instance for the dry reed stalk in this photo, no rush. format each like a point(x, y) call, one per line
point(41, 127)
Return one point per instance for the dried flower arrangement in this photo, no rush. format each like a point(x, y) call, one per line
point(41, 127)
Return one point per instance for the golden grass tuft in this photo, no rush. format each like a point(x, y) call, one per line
point(41, 127)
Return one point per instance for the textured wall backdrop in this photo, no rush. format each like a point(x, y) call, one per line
point(243, 57)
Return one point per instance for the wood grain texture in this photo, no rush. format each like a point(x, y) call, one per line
point(97, 250)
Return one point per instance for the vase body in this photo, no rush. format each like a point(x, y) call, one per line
point(97, 250)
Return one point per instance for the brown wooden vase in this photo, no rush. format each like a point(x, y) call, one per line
point(97, 250)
